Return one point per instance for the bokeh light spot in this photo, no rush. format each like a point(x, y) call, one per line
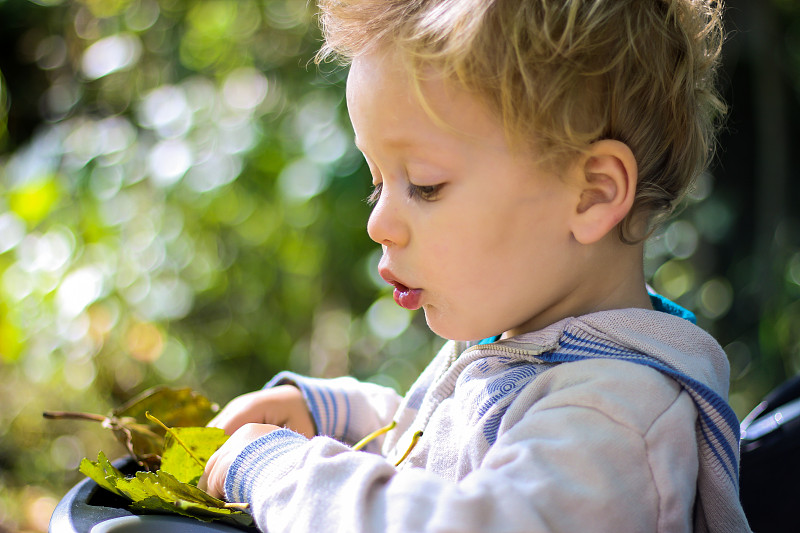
point(17, 284)
point(38, 511)
point(674, 279)
point(79, 374)
point(167, 111)
point(116, 134)
point(142, 14)
point(702, 187)
point(34, 200)
point(12, 231)
point(301, 180)
point(105, 182)
point(103, 316)
point(714, 219)
point(10, 341)
point(66, 451)
point(169, 298)
point(145, 342)
point(128, 374)
point(387, 319)
point(78, 290)
point(681, 239)
point(51, 52)
point(214, 172)
point(715, 297)
point(173, 361)
point(46, 253)
point(60, 98)
point(236, 135)
point(168, 161)
point(117, 52)
point(244, 88)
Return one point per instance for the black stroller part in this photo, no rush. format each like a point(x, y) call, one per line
point(770, 460)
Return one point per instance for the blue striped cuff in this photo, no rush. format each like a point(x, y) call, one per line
point(329, 407)
point(255, 461)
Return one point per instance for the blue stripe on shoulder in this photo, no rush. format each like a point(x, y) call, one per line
point(585, 348)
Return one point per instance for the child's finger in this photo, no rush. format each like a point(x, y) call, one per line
point(203, 483)
point(213, 479)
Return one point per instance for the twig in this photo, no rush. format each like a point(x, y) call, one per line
point(63, 415)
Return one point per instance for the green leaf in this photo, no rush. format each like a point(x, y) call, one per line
point(102, 472)
point(162, 492)
point(132, 488)
point(142, 438)
point(169, 488)
point(174, 407)
point(153, 504)
point(202, 441)
point(183, 455)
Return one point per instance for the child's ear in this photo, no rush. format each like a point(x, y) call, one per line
point(606, 177)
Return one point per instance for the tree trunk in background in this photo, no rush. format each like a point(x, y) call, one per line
point(771, 149)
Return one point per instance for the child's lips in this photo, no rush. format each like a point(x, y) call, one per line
point(403, 295)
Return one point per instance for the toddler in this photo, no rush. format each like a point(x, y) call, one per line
point(521, 151)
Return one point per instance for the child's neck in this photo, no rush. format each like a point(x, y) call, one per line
point(611, 277)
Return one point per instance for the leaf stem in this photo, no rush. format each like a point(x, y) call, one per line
point(56, 415)
point(375, 434)
point(237, 505)
point(175, 436)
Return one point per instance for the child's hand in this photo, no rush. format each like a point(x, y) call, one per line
point(213, 479)
point(283, 405)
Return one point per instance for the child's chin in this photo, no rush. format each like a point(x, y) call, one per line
point(435, 325)
point(445, 329)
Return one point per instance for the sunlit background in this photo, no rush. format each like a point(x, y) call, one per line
point(181, 203)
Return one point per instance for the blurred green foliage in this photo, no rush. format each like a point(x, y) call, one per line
point(181, 202)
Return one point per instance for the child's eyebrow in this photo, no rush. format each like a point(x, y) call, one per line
point(394, 141)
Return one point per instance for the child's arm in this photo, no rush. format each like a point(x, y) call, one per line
point(294, 484)
point(573, 463)
point(343, 408)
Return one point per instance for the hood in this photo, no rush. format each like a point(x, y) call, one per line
point(673, 340)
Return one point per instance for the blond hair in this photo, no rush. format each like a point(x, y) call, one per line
point(566, 73)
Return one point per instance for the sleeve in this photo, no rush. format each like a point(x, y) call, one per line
point(344, 408)
point(561, 468)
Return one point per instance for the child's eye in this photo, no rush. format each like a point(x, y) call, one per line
point(429, 193)
point(375, 195)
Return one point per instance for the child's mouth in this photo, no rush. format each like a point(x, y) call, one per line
point(405, 297)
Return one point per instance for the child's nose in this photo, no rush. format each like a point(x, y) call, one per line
point(386, 224)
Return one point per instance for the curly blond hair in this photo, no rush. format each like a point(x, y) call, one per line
point(565, 73)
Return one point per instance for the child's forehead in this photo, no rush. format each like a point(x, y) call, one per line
point(416, 106)
point(450, 102)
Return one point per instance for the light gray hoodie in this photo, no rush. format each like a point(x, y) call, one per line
point(614, 421)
